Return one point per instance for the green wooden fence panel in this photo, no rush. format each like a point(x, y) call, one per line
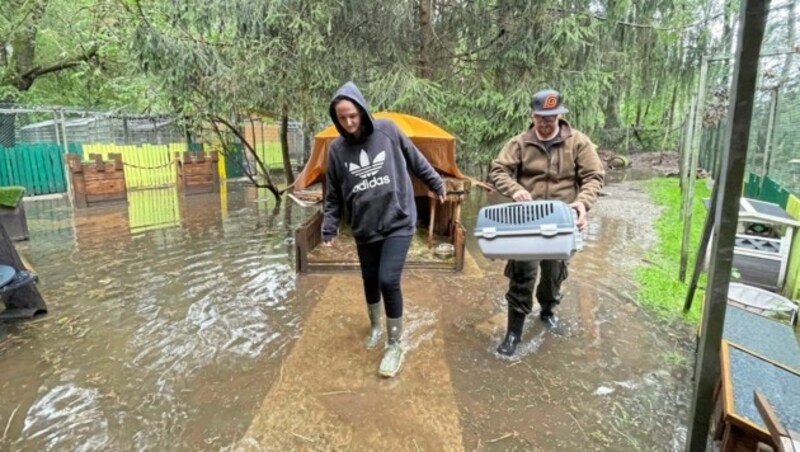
point(37, 167)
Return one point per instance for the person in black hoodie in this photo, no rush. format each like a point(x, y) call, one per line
point(368, 177)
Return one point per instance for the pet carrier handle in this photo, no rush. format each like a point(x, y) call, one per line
point(549, 230)
point(489, 233)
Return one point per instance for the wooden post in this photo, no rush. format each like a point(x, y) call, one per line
point(432, 202)
point(459, 244)
point(765, 167)
point(751, 33)
point(75, 176)
point(684, 162)
point(692, 173)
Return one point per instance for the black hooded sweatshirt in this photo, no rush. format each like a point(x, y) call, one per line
point(370, 176)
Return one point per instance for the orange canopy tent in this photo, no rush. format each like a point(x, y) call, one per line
point(438, 147)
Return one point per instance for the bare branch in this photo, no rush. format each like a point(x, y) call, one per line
point(236, 132)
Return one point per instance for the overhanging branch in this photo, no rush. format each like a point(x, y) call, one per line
point(27, 78)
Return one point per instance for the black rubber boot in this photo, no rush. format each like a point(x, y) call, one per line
point(549, 318)
point(546, 312)
point(516, 320)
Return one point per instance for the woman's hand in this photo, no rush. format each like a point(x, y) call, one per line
point(328, 243)
point(443, 196)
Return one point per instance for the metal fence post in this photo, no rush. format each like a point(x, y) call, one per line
point(765, 167)
point(66, 151)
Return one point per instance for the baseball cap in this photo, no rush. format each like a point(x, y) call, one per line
point(547, 102)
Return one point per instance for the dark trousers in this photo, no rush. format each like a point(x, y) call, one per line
point(381, 268)
point(522, 278)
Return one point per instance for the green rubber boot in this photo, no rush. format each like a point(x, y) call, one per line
point(374, 337)
point(395, 352)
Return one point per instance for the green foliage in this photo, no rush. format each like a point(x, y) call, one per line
point(470, 67)
point(68, 52)
point(659, 287)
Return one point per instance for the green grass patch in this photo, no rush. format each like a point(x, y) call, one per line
point(675, 358)
point(11, 196)
point(660, 289)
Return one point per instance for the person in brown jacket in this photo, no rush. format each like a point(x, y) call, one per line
point(550, 160)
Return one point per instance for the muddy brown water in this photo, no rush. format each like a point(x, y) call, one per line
point(179, 325)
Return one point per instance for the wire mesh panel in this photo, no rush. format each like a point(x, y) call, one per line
point(773, 156)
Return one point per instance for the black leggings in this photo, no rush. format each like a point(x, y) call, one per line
point(381, 268)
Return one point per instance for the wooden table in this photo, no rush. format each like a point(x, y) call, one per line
point(738, 423)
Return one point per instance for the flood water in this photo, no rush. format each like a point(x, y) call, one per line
point(179, 324)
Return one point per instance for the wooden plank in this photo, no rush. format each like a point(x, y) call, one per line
point(30, 168)
point(725, 375)
point(149, 179)
point(52, 157)
point(3, 167)
point(46, 175)
point(33, 164)
point(459, 243)
point(43, 173)
point(14, 165)
point(49, 170)
point(27, 169)
point(22, 168)
point(92, 174)
point(776, 429)
point(57, 160)
point(19, 169)
point(109, 187)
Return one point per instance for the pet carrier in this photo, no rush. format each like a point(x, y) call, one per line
point(533, 230)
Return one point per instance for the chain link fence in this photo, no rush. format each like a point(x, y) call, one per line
point(33, 141)
point(773, 165)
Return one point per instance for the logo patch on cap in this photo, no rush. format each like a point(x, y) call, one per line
point(550, 102)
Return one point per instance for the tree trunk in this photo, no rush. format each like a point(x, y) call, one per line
point(287, 162)
point(426, 38)
point(611, 112)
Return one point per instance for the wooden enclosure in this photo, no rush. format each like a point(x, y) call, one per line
point(197, 172)
point(443, 225)
point(97, 182)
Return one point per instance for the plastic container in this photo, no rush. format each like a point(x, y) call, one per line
point(533, 230)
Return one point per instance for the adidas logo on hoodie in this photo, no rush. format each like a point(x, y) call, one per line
point(365, 169)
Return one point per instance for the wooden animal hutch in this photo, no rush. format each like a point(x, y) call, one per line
point(97, 182)
point(763, 243)
point(197, 172)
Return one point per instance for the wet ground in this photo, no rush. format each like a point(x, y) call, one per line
point(180, 325)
